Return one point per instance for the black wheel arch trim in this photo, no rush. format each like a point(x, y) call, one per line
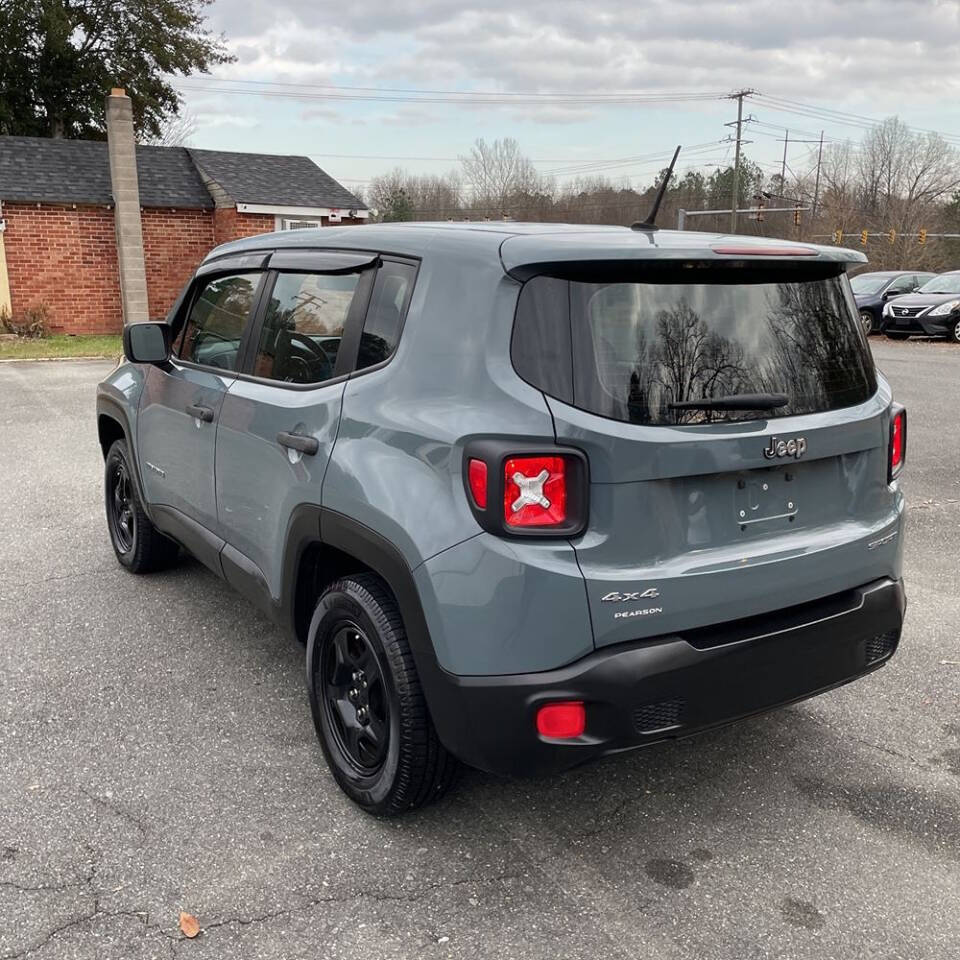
point(312, 525)
point(113, 410)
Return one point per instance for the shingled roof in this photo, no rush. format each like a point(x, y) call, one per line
point(40, 170)
point(283, 181)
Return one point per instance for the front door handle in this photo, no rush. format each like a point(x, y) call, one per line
point(307, 445)
point(201, 413)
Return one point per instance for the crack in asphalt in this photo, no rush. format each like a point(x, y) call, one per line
point(375, 896)
point(116, 810)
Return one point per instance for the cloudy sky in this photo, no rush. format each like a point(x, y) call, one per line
point(333, 80)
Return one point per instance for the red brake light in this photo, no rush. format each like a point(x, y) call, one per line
point(564, 720)
point(534, 491)
point(898, 441)
point(477, 477)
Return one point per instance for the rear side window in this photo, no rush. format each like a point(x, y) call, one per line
point(388, 304)
point(638, 347)
point(303, 326)
point(215, 324)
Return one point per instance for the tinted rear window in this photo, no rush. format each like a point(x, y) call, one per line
point(628, 350)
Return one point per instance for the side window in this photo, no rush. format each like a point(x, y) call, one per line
point(214, 326)
point(303, 326)
point(381, 329)
point(902, 284)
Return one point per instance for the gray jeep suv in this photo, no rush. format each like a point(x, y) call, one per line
point(528, 494)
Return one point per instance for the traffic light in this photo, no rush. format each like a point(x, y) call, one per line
point(864, 234)
point(892, 235)
point(796, 217)
point(838, 236)
point(923, 235)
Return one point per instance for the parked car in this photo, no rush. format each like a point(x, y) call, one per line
point(539, 493)
point(872, 290)
point(934, 310)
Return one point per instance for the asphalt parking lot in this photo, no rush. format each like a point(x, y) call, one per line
point(157, 755)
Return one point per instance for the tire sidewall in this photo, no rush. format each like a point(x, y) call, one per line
point(371, 790)
point(118, 453)
point(955, 332)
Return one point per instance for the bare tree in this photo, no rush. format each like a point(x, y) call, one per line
point(177, 131)
point(497, 172)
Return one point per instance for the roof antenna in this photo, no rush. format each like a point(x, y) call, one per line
point(649, 223)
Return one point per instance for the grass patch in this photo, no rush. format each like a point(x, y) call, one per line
point(110, 346)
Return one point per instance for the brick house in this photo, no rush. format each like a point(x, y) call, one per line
point(59, 237)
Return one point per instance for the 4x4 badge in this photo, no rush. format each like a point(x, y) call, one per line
point(786, 448)
point(618, 597)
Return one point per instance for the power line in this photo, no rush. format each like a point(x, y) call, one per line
point(338, 94)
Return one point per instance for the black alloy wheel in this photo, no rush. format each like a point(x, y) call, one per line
point(138, 544)
point(121, 514)
point(368, 706)
point(355, 698)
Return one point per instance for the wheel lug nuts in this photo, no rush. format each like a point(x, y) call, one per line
point(353, 694)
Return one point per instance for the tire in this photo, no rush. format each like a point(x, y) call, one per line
point(897, 336)
point(955, 332)
point(139, 546)
point(390, 759)
point(867, 322)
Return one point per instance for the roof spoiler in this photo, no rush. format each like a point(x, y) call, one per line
point(650, 222)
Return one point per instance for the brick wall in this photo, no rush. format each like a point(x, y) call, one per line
point(230, 224)
point(65, 259)
point(174, 243)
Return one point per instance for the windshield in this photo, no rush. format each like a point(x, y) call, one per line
point(640, 348)
point(948, 283)
point(869, 283)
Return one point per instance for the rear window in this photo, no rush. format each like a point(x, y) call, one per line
point(629, 350)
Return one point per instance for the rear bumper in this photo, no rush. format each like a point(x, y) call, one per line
point(671, 686)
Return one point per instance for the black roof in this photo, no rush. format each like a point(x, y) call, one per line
point(42, 170)
point(284, 181)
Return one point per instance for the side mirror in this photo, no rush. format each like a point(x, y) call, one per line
point(147, 342)
point(887, 294)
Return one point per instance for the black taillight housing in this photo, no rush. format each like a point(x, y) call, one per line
point(897, 447)
point(525, 488)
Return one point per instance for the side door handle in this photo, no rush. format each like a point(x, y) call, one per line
point(201, 413)
point(307, 445)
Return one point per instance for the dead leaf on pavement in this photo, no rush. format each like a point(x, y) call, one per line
point(189, 925)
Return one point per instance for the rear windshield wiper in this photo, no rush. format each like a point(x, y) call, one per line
point(737, 401)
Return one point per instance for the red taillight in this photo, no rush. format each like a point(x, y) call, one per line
point(477, 477)
point(534, 491)
point(564, 720)
point(898, 440)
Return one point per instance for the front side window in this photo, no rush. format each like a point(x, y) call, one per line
point(640, 349)
point(388, 302)
point(866, 283)
point(215, 324)
point(902, 285)
point(945, 283)
point(303, 326)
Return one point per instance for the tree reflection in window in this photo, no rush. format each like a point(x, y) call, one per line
point(655, 345)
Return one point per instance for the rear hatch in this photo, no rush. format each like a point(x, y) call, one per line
point(699, 515)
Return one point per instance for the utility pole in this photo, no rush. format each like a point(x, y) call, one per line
point(736, 157)
point(783, 166)
point(816, 189)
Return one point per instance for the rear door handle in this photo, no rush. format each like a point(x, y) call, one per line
point(307, 445)
point(201, 413)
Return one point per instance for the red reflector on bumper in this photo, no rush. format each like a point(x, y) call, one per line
point(562, 721)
